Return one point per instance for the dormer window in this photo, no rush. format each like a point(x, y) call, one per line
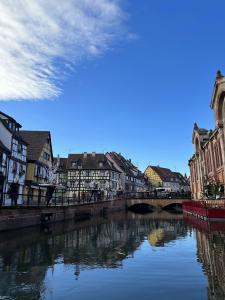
point(74, 164)
point(46, 156)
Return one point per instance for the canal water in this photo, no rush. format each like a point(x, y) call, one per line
point(125, 256)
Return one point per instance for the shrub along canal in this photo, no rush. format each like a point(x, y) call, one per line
point(122, 256)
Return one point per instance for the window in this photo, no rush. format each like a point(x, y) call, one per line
point(21, 170)
point(14, 167)
point(216, 155)
point(100, 164)
point(46, 156)
point(220, 154)
point(19, 148)
point(74, 164)
point(38, 171)
point(208, 161)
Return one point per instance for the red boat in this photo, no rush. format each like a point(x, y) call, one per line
point(212, 210)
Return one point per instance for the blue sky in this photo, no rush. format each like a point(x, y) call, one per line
point(141, 95)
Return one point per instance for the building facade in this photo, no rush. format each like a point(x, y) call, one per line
point(92, 177)
point(4, 158)
point(61, 171)
point(207, 164)
point(38, 185)
point(159, 177)
point(132, 179)
point(13, 160)
point(61, 179)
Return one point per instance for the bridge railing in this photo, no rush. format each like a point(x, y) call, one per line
point(158, 195)
point(212, 203)
point(83, 198)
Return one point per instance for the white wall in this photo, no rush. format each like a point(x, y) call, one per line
point(5, 136)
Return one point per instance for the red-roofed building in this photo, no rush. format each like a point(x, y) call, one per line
point(165, 178)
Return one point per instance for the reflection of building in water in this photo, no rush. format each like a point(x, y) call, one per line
point(166, 233)
point(211, 253)
point(26, 257)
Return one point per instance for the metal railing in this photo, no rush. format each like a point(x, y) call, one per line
point(27, 200)
point(158, 195)
point(208, 203)
point(20, 200)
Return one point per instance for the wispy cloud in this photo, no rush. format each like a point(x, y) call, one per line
point(39, 36)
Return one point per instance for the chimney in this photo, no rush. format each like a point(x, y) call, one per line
point(93, 154)
point(85, 154)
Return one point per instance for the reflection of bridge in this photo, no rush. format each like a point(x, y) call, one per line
point(155, 203)
point(155, 215)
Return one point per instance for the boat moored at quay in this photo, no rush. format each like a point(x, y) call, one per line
point(211, 210)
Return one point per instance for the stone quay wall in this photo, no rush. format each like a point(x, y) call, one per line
point(12, 218)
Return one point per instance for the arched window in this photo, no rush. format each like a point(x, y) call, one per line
point(215, 148)
point(197, 145)
point(220, 154)
point(219, 113)
point(208, 161)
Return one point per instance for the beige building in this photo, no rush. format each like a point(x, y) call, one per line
point(38, 185)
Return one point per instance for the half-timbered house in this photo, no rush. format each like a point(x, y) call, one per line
point(91, 176)
point(38, 185)
point(13, 161)
point(132, 179)
point(4, 157)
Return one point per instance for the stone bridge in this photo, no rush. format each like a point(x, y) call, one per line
point(155, 203)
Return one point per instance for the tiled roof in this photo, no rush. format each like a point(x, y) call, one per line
point(36, 141)
point(62, 163)
point(203, 131)
point(181, 178)
point(167, 175)
point(5, 116)
point(123, 163)
point(90, 161)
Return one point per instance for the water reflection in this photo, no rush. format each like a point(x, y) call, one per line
point(211, 253)
point(27, 255)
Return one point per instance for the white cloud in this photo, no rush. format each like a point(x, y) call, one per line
point(37, 36)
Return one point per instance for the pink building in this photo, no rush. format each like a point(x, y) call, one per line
point(207, 166)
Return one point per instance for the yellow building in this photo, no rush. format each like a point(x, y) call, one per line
point(38, 187)
point(167, 179)
point(154, 178)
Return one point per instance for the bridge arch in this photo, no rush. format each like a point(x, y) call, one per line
point(142, 208)
point(173, 206)
point(154, 204)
